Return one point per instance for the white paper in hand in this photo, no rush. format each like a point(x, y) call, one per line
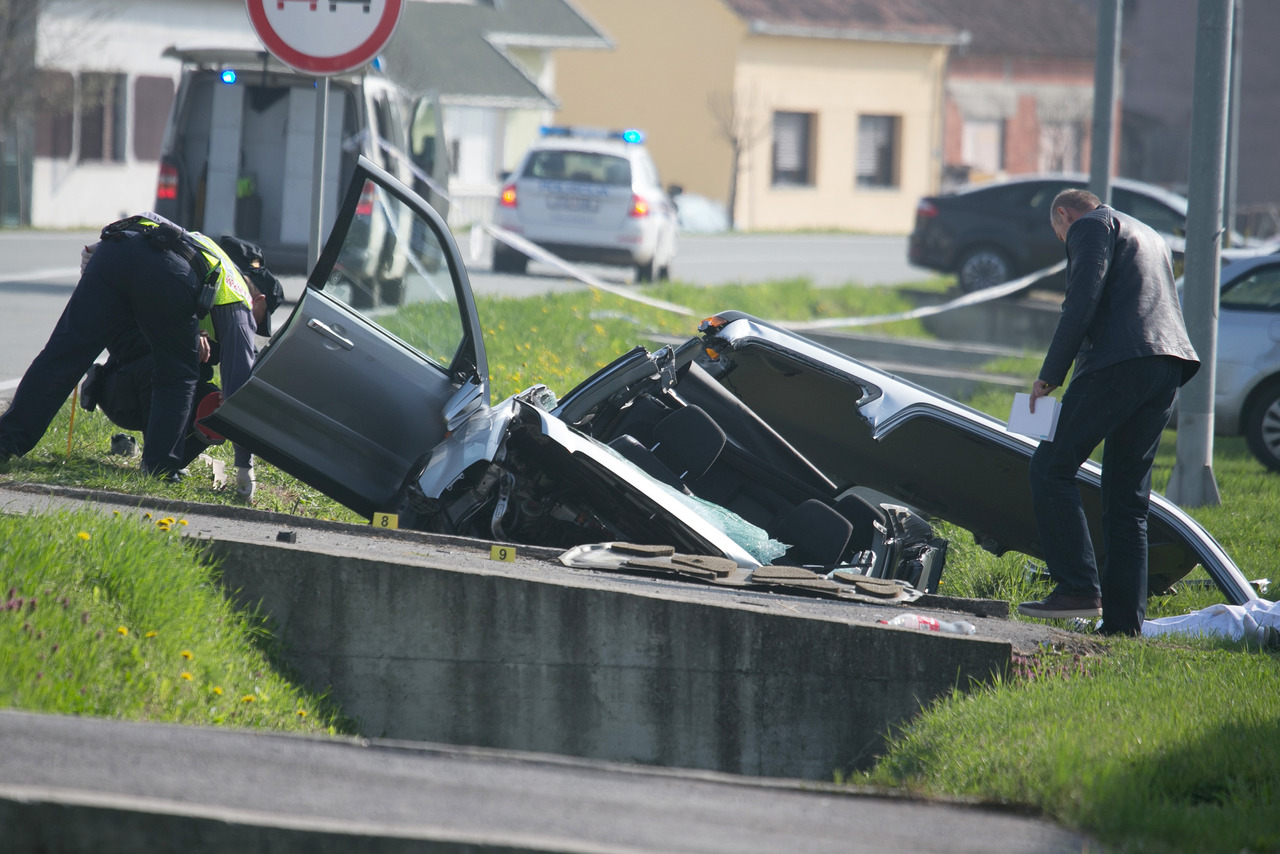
point(1041, 424)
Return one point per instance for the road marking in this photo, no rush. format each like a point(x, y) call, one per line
point(36, 275)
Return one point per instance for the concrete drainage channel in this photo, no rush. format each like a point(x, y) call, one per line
point(534, 656)
point(425, 638)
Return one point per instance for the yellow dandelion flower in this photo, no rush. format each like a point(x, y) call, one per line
point(248, 698)
point(186, 653)
point(151, 633)
point(217, 689)
point(115, 512)
point(185, 675)
point(163, 526)
point(146, 515)
point(182, 521)
point(123, 630)
point(84, 535)
point(302, 713)
point(168, 520)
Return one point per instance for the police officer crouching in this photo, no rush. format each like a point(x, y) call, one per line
point(148, 283)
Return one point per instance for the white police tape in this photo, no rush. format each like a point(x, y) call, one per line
point(984, 295)
point(531, 249)
point(537, 253)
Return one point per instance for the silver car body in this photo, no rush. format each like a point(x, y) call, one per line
point(1247, 379)
point(388, 411)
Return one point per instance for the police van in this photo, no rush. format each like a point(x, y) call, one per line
point(238, 153)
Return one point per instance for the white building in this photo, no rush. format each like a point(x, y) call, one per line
point(91, 153)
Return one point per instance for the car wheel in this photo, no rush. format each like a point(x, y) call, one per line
point(984, 267)
point(644, 272)
point(510, 262)
point(664, 274)
point(1262, 426)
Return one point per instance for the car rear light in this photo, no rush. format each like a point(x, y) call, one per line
point(926, 209)
point(639, 207)
point(508, 197)
point(167, 182)
point(364, 207)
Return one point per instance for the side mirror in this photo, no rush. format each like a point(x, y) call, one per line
point(504, 175)
point(674, 190)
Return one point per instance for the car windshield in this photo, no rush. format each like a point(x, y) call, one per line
point(392, 268)
point(583, 166)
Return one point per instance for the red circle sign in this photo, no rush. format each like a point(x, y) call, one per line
point(324, 37)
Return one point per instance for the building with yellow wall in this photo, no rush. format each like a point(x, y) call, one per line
point(834, 110)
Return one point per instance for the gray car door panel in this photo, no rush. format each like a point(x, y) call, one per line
point(350, 399)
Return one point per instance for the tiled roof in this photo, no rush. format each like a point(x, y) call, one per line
point(872, 20)
point(1023, 28)
point(457, 50)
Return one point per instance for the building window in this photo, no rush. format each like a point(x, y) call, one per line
point(982, 145)
point(1060, 146)
point(877, 155)
point(793, 149)
point(152, 98)
point(55, 121)
point(102, 117)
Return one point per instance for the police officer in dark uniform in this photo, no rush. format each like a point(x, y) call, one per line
point(149, 272)
point(121, 388)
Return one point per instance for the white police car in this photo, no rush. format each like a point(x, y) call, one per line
point(589, 195)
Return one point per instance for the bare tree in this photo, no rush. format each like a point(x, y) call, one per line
point(738, 127)
point(27, 90)
point(17, 68)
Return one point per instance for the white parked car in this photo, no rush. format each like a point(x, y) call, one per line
point(590, 196)
point(1246, 392)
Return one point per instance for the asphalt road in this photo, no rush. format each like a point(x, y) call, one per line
point(466, 796)
point(38, 270)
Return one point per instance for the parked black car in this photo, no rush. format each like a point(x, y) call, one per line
point(991, 233)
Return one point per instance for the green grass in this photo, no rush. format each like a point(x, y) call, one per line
point(1167, 745)
point(118, 616)
point(1154, 746)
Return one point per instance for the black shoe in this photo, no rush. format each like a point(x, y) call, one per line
point(1062, 606)
point(91, 387)
point(124, 445)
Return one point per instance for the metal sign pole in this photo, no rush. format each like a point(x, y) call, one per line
point(317, 180)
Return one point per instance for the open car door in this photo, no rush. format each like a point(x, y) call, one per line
point(380, 358)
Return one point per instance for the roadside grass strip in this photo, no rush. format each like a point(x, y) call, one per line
point(1153, 746)
point(118, 616)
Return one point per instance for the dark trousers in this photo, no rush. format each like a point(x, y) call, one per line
point(1128, 405)
point(126, 281)
point(124, 396)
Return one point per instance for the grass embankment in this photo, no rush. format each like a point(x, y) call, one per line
point(1151, 745)
point(116, 616)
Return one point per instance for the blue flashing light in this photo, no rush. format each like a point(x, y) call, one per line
point(228, 76)
point(555, 130)
point(633, 136)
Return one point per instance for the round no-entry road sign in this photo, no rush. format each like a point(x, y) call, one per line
point(324, 37)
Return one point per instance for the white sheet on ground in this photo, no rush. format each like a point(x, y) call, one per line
point(1254, 620)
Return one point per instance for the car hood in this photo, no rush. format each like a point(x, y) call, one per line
point(866, 428)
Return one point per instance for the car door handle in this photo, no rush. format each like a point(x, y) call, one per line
point(328, 332)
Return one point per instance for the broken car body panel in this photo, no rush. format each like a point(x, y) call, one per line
point(866, 427)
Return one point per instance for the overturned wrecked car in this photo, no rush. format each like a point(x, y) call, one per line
point(747, 443)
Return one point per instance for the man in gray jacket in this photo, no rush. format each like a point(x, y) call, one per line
point(1121, 324)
